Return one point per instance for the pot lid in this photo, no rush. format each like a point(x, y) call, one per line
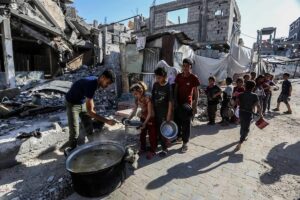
point(94, 157)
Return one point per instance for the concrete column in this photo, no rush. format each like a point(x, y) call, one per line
point(125, 81)
point(8, 55)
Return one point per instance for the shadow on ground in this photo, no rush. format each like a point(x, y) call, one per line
point(197, 166)
point(284, 160)
point(30, 181)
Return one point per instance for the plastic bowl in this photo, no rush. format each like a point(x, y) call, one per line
point(169, 130)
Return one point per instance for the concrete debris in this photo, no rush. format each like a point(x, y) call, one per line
point(35, 133)
point(8, 93)
point(50, 179)
point(57, 189)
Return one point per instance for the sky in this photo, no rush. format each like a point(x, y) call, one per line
point(256, 14)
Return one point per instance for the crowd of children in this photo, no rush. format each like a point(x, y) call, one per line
point(251, 96)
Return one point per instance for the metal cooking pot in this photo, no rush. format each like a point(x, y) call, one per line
point(97, 168)
point(169, 130)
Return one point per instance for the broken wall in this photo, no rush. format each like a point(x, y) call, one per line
point(208, 21)
point(53, 8)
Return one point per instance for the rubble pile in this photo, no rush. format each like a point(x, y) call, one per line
point(56, 189)
point(105, 100)
point(40, 96)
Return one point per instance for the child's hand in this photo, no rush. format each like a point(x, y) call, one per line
point(169, 118)
point(143, 126)
point(111, 122)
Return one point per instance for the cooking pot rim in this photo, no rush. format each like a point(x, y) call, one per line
point(175, 127)
point(92, 144)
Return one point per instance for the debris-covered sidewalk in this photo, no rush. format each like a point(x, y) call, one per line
point(208, 170)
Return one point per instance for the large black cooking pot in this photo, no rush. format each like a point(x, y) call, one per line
point(97, 168)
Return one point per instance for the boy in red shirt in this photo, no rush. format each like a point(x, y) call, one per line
point(186, 85)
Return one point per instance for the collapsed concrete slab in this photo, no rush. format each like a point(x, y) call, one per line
point(53, 135)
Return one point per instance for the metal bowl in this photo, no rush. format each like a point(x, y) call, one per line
point(169, 130)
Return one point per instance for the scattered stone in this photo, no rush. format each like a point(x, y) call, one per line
point(54, 119)
point(57, 127)
point(50, 179)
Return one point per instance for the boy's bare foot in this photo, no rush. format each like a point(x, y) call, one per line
point(238, 147)
point(275, 109)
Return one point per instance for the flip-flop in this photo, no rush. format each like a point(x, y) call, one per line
point(287, 113)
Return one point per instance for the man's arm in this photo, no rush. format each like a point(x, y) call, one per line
point(290, 91)
point(217, 94)
point(195, 101)
point(175, 94)
point(259, 110)
point(170, 111)
point(91, 111)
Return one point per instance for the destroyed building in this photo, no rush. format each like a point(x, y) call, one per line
point(48, 35)
point(294, 32)
point(206, 22)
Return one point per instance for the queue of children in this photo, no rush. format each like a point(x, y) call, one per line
point(178, 102)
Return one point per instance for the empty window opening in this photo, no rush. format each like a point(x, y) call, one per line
point(292, 27)
point(177, 17)
point(219, 13)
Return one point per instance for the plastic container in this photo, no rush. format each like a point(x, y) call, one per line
point(261, 123)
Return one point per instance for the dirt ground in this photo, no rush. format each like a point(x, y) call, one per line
point(267, 167)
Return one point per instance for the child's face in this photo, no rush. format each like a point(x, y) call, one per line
point(211, 82)
point(285, 77)
point(137, 94)
point(104, 82)
point(186, 68)
point(247, 78)
point(160, 79)
point(239, 83)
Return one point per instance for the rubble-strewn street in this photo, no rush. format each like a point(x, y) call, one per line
point(265, 168)
point(152, 99)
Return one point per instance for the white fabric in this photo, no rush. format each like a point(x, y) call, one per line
point(228, 90)
point(171, 71)
point(220, 68)
point(140, 43)
point(180, 52)
point(241, 54)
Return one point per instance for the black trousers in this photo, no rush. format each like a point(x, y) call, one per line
point(265, 102)
point(224, 108)
point(245, 121)
point(184, 125)
point(269, 102)
point(211, 112)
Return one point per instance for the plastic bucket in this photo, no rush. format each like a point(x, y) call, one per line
point(261, 123)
